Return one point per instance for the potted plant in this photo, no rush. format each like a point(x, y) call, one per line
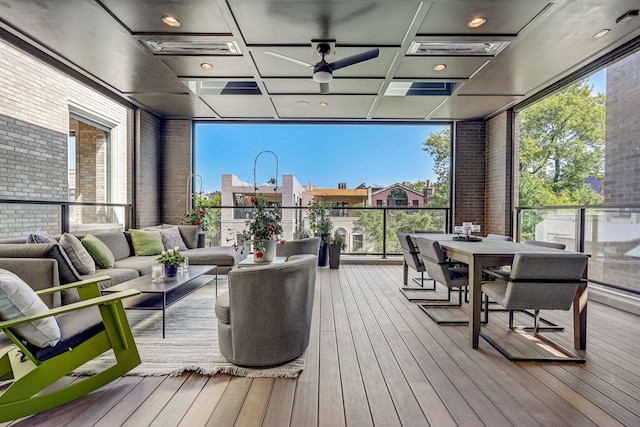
point(335, 247)
point(265, 229)
point(320, 224)
point(171, 260)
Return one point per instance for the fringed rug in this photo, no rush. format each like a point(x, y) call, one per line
point(191, 342)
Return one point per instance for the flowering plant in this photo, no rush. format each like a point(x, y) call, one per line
point(265, 225)
point(171, 257)
point(195, 217)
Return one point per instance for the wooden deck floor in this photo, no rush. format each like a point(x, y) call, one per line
point(376, 359)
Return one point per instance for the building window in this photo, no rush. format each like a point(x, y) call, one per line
point(378, 202)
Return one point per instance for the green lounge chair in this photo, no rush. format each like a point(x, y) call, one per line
point(88, 328)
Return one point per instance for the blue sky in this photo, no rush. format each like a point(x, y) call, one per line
point(321, 154)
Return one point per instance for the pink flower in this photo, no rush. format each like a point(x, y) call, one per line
point(259, 254)
point(283, 242)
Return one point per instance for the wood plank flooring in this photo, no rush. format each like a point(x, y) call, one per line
point(376, 359)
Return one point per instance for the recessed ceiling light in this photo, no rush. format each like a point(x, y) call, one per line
point(324, 104)
point(206, 66)
point(440, 67)
point(601, 33)
point(171, 21)
point(302, 104)
point(477, 22)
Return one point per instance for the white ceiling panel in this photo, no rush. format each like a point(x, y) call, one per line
point(241, 106)
point(339, 107)
point(336, 86)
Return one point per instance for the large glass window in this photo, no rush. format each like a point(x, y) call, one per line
point(348, 166)
point(578, 147)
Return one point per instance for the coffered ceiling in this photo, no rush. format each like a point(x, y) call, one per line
point(122, 45)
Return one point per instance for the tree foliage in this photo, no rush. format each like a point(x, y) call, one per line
point(438, 145)
point(562, 140)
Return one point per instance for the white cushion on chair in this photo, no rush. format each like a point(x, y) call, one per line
point(17, 299)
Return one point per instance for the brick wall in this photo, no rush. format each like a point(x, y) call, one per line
point(622, 153)
point(498, 166)
point(176, 166)
point(35, 101)
point(148, 173)
point(469, 173)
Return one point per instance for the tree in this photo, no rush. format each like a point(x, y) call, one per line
point(562, 140)
point(406, 221)
point(438, 145)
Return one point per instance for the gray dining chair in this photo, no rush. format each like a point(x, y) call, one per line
point(412, 260)
point(445, 272)
point(494, 236)
point(537, 281)
point(546, 244)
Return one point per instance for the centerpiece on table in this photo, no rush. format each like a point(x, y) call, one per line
point(171, 260)
point(265, 229)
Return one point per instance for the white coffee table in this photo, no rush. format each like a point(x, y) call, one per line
point(249, 262)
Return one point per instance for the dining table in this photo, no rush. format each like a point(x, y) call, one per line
point(484, 252)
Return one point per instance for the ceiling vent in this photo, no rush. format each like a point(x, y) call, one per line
point(192, 47)
point(221, 87)
point(457, 48)
point(419, 89)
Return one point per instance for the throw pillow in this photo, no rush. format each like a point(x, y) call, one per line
point(171, 238)
point(80, 258)
point(40, 238)
point(17, 299)
point(146, 243)
point(100, 252)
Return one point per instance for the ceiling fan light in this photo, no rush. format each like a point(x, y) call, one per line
point(322, 76)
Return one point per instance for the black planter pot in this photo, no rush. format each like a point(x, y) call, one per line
point(322, 254)
point(334, 256)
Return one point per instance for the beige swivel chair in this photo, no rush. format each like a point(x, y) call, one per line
point(537, 281)
point(309, 245)
point(265, 317)
point(445, 273)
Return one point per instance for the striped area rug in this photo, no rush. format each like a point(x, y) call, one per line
point(191, 342)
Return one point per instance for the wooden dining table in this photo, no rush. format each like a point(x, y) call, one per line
point(492, 252)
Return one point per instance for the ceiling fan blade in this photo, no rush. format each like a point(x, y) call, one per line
point(324, 88)
point(354, 59)
point(288, 58)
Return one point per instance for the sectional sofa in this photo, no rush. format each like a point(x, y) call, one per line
point(43, 265)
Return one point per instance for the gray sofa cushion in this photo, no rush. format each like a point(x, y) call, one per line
point(77, 253)
point(117, 243)
point(118, 275)
point(142, 264)
point(219, 255)
point(68, 273)
point(189, 234)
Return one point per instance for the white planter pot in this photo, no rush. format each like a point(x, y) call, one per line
point(269, 253)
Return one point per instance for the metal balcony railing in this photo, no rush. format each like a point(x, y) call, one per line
point(609, 234)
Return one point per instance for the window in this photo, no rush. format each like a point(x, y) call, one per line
point(378, 202)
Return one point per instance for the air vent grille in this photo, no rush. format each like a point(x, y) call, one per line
point(192, 47)
point(457, 48)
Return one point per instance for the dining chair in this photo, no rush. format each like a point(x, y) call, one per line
point(445, 272)
point(499, 237)
point(411, 259)
point(546, 244)
point(537, 281)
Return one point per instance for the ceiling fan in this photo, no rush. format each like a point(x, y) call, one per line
point(323, 70)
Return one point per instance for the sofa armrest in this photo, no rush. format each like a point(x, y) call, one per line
point(38, 273)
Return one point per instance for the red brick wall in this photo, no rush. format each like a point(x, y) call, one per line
point(498, 167)
point(469, 173)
